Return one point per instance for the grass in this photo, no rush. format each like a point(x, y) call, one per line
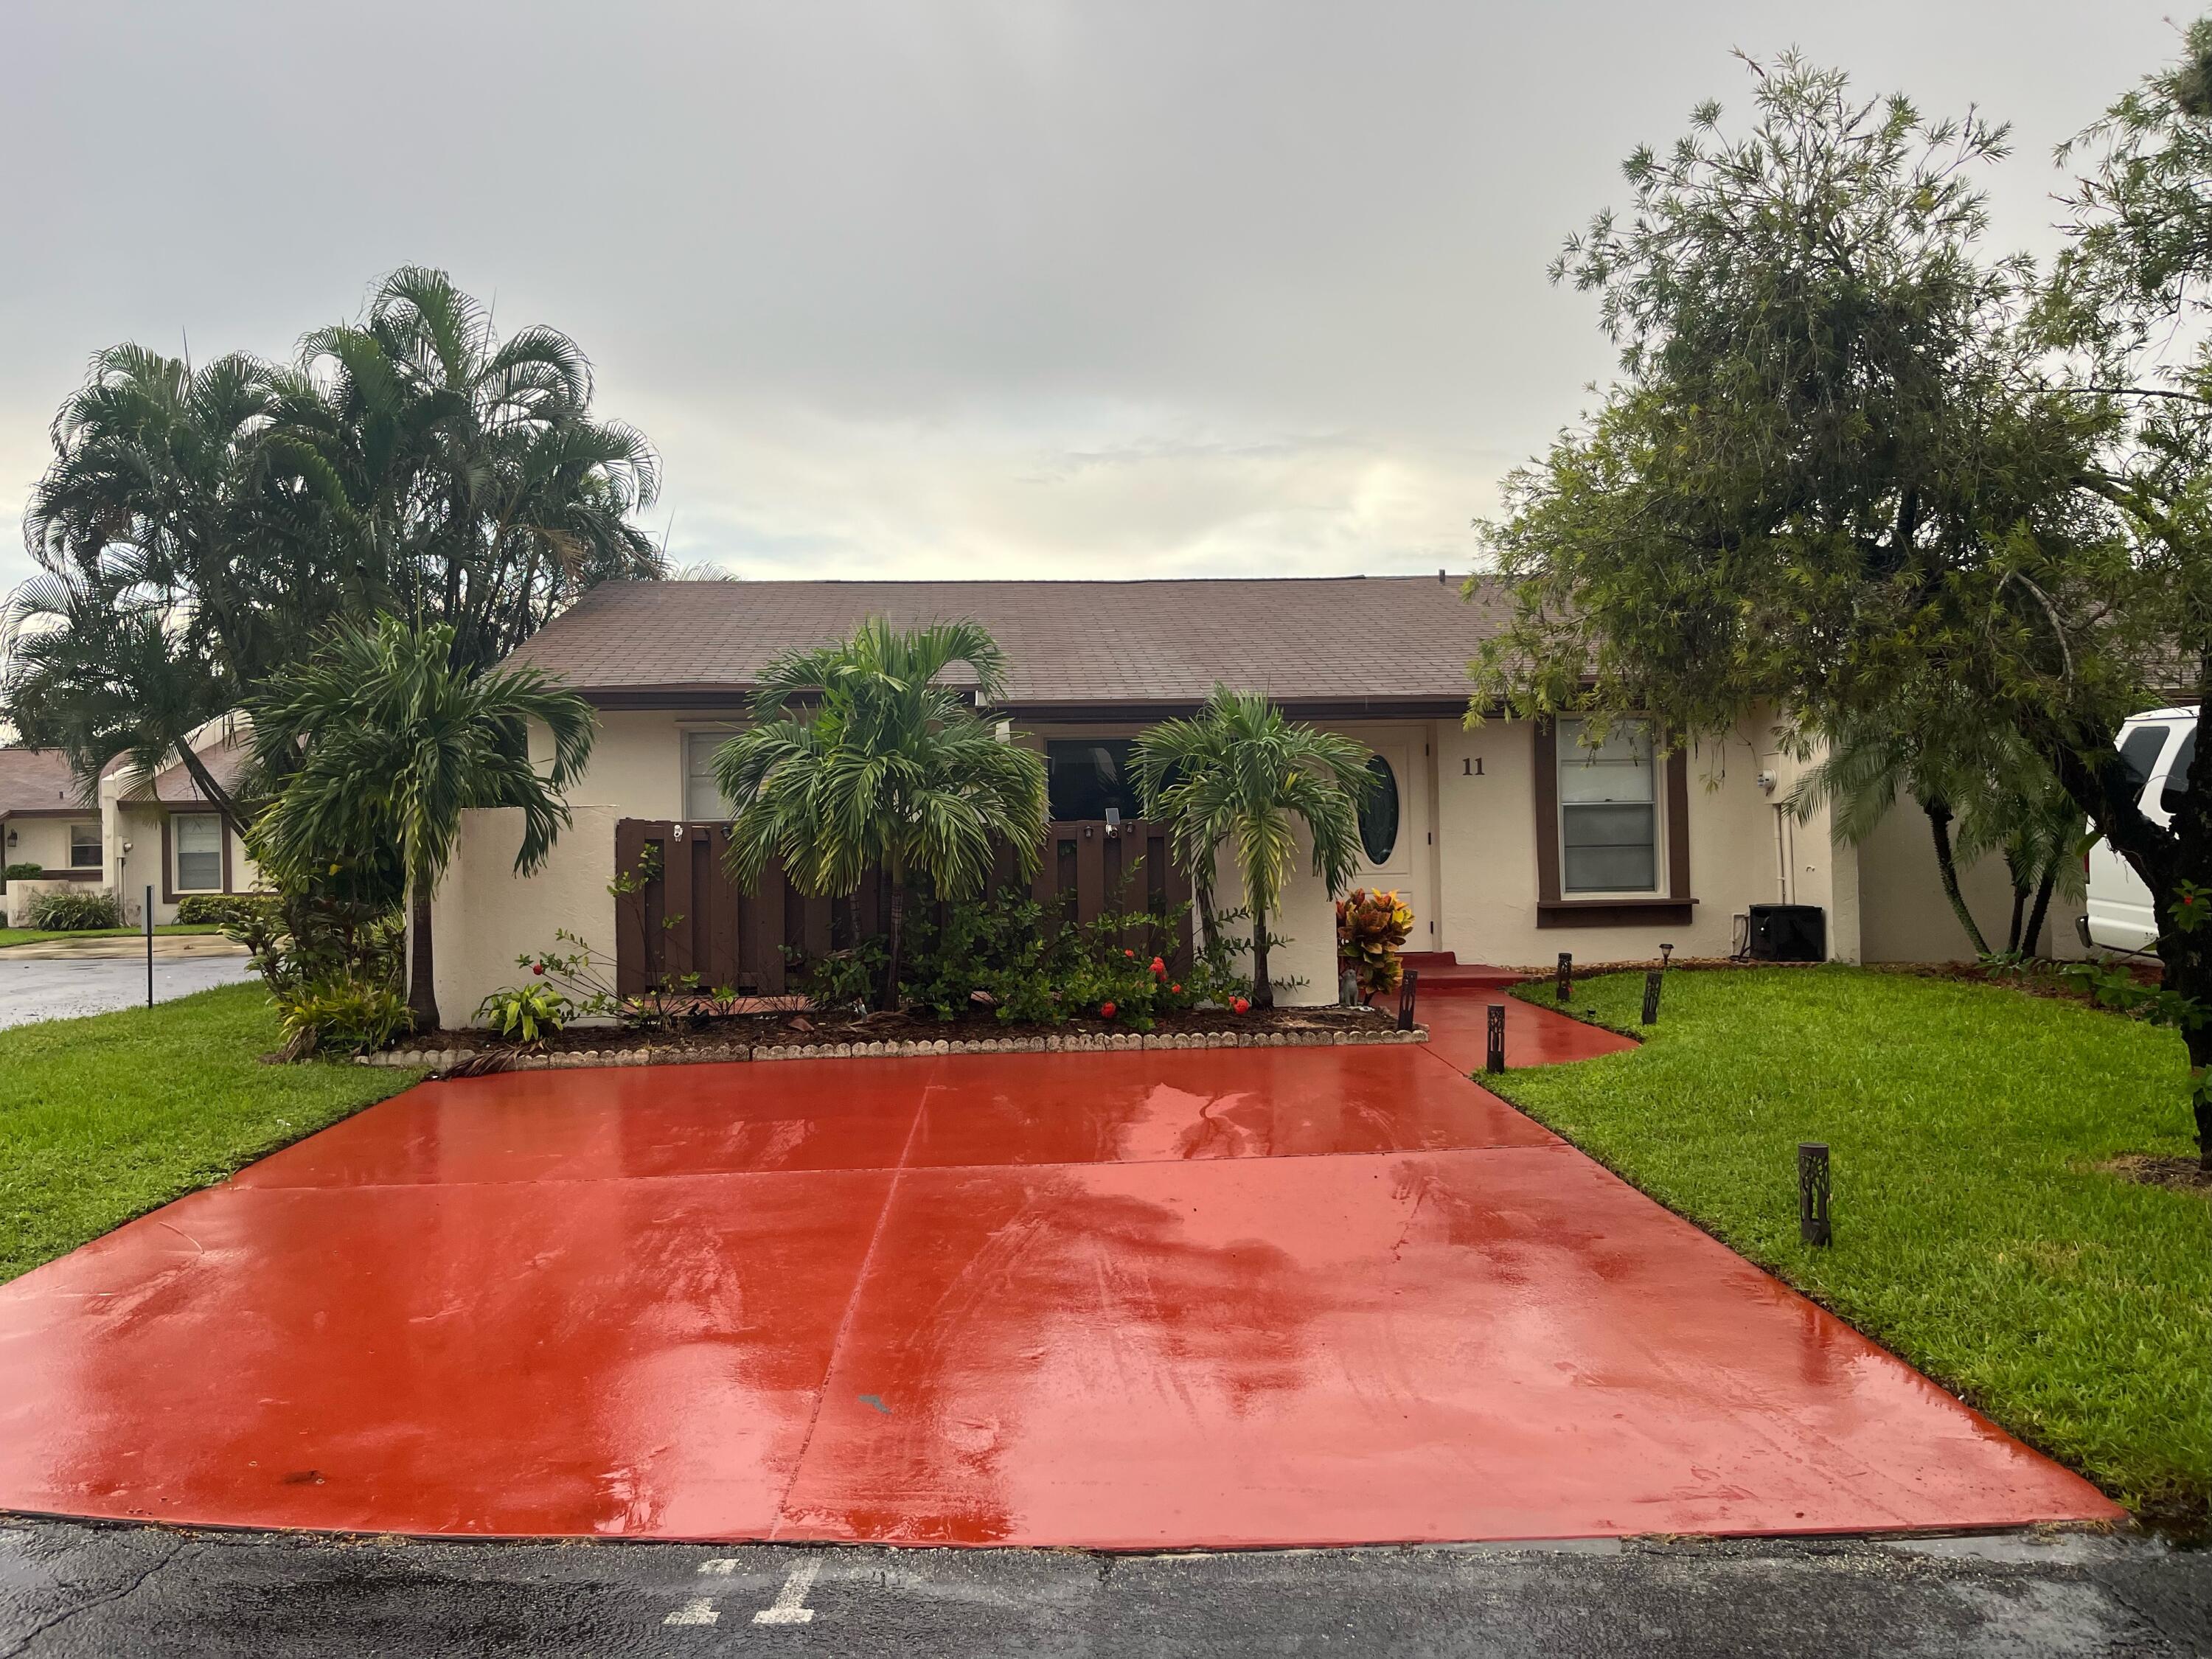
point(1975, 1234)
point(104, 1118)
point(40, 935)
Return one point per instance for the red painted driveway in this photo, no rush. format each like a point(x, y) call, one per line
point(1208, 1297)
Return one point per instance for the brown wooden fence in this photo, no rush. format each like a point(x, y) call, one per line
point(687, 916)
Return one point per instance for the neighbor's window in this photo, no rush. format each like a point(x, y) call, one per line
point(703, 801)
point(199, 853)
point(84, 846)
point(1088, 775)
point(1609, 812)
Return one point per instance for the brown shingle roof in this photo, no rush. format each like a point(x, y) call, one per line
point(1344, 642)
point(225, 761)
point(37, 780)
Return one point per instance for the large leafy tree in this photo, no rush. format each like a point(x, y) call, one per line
point(863, 759)
point(385, 741)
point(1843, 465)
point(1243, 774)
point(199, 528)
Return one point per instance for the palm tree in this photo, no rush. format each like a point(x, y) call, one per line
point(165, 588)
point(386, 742)
point(1981, 793)
point(1240, 772)
point(883, 768)
point(462, 473)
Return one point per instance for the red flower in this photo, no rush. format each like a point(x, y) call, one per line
point(1159, 967)
point(1175, 990)
point(1106, 1010)
point(538, 968)
point(1132, 955)
point(1240, 1004)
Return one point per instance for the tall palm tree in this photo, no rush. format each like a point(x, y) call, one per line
point(862, 760)
point(387, 741)
point(464, 474)
point(165, 590)
point(1239, 772)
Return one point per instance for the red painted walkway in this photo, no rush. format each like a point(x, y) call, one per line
point(1210, 1297)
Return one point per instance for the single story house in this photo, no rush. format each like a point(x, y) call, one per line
point(1512, 841)
point(136, 833)
point(163, 833)
point(44, 821)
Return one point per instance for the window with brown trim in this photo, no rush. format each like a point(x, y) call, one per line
point(198, 843)
point(1613, 832)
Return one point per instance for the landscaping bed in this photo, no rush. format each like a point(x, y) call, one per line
point(1992, 1223)
point(788, 1034)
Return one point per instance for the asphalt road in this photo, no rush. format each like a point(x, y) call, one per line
point(71, 1589)
point(61, 988)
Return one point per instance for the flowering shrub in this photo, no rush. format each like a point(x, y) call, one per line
point(1371, 927)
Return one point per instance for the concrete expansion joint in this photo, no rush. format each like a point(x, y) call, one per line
point(450, 1059)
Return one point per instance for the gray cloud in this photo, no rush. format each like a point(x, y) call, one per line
point(1016, 288)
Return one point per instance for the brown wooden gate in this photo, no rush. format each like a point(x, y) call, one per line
point(729, 937)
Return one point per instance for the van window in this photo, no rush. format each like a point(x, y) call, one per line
point(2177, 775)
point(2139, 752)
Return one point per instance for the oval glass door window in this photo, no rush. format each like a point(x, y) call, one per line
point(1378, 817)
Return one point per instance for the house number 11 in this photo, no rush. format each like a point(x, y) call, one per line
point(1470, 769)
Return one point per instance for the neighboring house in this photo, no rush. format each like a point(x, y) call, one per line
point(164, 835)
point(1512, 841)
point(44, 821)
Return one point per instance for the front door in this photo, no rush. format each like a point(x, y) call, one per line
point(1394, 828)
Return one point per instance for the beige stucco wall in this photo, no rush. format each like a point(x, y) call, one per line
point(1479, 883)
point(1486, 855)
point(41, 840)
point(1908, 919)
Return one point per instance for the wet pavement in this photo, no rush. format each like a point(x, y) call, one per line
point(34, 988)
point(1133, 1301)
point(68, 1591)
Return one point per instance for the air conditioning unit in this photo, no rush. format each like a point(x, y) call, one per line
point(1789, 933)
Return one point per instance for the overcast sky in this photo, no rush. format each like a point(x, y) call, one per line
point(941, 289)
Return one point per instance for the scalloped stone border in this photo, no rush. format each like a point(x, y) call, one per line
point(446, 1059)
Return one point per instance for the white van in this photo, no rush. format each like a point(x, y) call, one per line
point(2157, 748)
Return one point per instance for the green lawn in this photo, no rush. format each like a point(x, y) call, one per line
point(103, 1118)
point(36, 935)
point(1975, 1235)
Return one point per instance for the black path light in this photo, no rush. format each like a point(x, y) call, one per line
point(1666, 954)
point(1409, 987)
point(1566, 986)
point(1813, 1193)
point(1493, 1060)
point(1651, 982)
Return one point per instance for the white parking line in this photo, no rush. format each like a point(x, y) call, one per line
point(698, 1611)
point(789, 1606)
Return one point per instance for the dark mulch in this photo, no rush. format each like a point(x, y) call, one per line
point(796, 1028)
point(2181, 1175)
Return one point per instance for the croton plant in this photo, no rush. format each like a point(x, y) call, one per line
point(1371, 927)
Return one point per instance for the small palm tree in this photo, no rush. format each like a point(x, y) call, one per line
point(383, 742)
point(1239, 772)
point(884, 769)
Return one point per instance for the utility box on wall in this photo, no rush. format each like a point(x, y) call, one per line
point(1789, 933)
